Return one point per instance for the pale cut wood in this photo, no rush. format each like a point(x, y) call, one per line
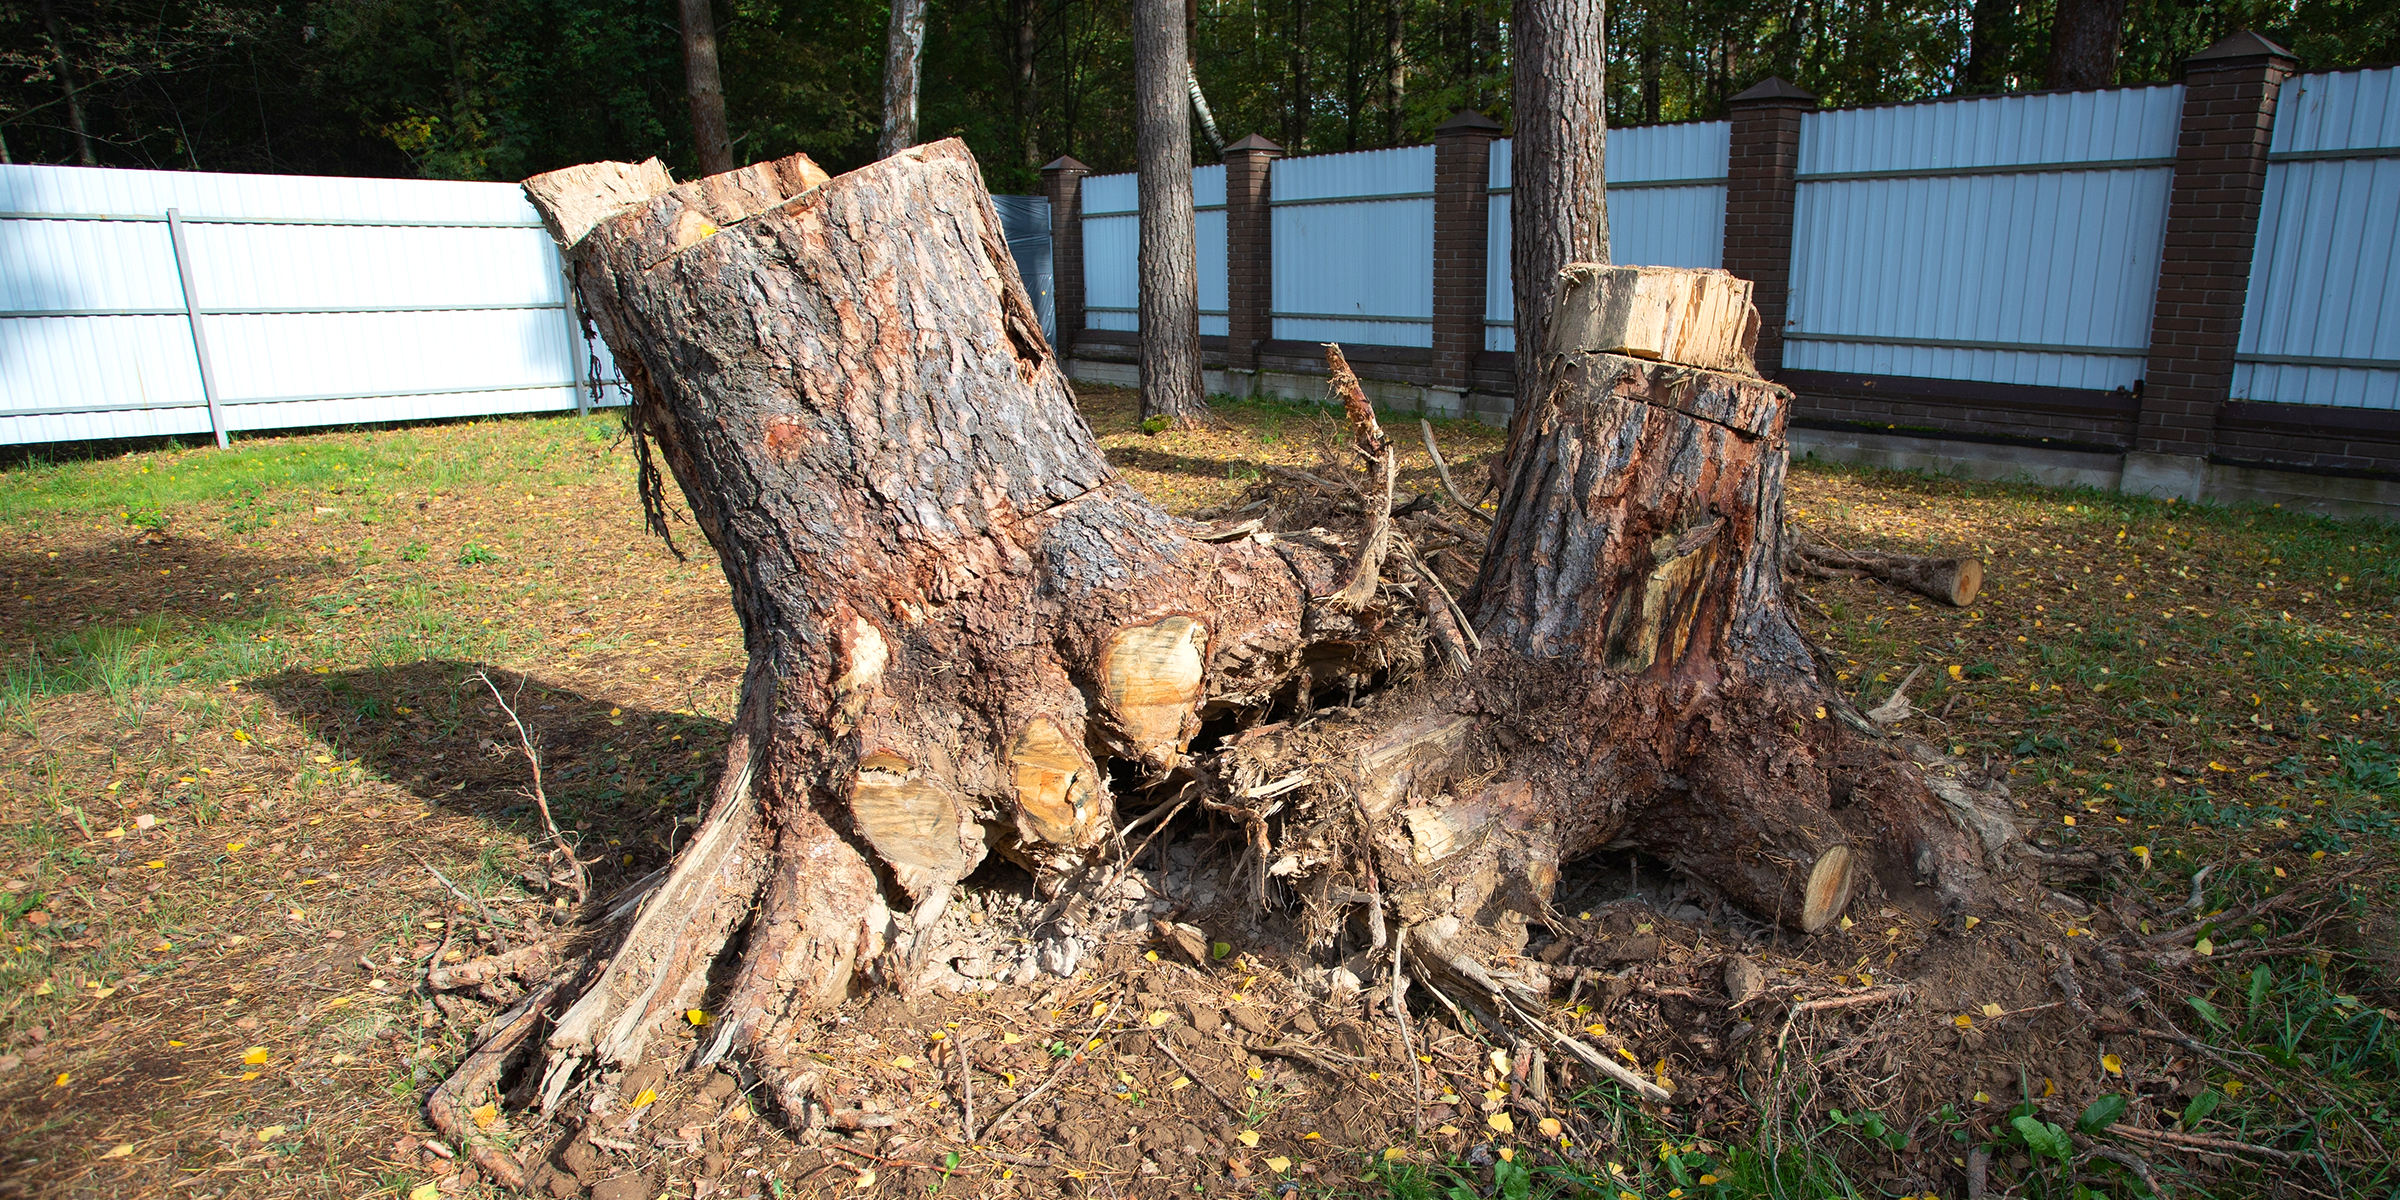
point(915, 825)
point(1828, 889)
point(572, 201)
point(1692, 317)
point(1055, 784)
point(1150, 680)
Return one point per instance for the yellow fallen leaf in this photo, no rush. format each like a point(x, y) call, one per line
point(1160, 1017)
point(1501, 1122)
point(1963, 1021)
point(2233, 1087)
point(1313, 1136)
point(1550, 1126)
point(2049, 1088)
point(1179, 1084)
point(1279, 1164)
point(1983, 1097)
point(1011, 1039)
point(156, 864)
point(696, 1016)
point(1247, 1137)
point(1394, 1154)
point(2068, 820)
point(247, 1076)
point(2204, 947)
point(1508, 1154)
point(2143, 853)
point(1629, 1056)
point(257, 1055)
point(63, 1077)
point(234, 847)
point(1972, 922)
point(122, 1149)
point(484, 1115)
point(646, 1098)
point(426, 1191)
point(2112, 1064)
point(173, 1042)
point(118, 832)
point(904, 1062)
point(1445, 1131)
point(1957, 672)
point(1705, 1180)
point(1991, 1010)
point(866, 1179)
point(1846, 922)
point(271, 1132)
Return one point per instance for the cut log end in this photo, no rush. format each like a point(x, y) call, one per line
point(1828, 889)
point(1966, 581)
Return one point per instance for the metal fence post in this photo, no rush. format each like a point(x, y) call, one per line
point(191, 309)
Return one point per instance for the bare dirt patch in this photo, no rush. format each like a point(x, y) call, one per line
point(279, 679)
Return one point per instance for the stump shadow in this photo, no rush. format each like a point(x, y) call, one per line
point(628, 782)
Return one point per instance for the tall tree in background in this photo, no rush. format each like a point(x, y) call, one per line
point(712, 144)
point(903, 59)
point(1558, 210)
point(1169, 261)
point(1992, 32)
point(2083, 43)
point(66, 81)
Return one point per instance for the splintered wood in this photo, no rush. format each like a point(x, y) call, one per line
point(1668, 314)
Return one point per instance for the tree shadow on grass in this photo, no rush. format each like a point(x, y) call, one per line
point(627, 784)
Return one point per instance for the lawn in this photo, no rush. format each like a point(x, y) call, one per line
point(252, 788)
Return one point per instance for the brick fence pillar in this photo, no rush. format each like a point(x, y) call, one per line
point(2229, 93)
point(1249, 253)
point(1062, 182)
point(1760, 190)
point(1462, 218)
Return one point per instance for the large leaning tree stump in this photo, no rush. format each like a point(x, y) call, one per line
point(968, 636)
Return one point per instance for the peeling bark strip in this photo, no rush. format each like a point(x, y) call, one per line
point(967, 634)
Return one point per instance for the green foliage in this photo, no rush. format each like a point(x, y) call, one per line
point(512, 87)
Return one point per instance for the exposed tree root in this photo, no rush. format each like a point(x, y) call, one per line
point(969, 637)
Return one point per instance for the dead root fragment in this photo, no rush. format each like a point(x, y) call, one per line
point(448, 1107)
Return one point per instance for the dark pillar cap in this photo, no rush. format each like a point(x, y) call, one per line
point(2246, 45)
point(1065, 163)
point(1467, 121)
point(1776, 90)
point(1253, 144)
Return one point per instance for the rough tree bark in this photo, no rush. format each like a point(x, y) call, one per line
point(1558, 178)
point(968, 636)
point(903, 56)
point(2083, 44)
point(1168, 259)
point(712, 143)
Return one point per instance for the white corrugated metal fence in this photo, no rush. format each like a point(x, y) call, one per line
point(158, 303)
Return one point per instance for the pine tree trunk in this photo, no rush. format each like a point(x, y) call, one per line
point(712, 144)
point(1558, 182)
point(1168, 259)
point(2083, 44)
point(969, 637)
point(903, 54)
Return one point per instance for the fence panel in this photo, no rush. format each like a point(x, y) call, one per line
point(2321, 323)
point(322, 301)
point(1353, 237)
point(2007, 240)
point(1112, 233)
point(1666, 208)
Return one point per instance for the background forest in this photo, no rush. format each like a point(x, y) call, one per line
point(502, 89)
